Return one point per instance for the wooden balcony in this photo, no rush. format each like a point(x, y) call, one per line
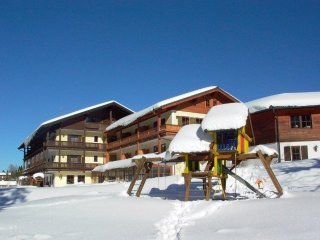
point(76, 145)
point(95, 126)
point(42, 166)
point(149, 134)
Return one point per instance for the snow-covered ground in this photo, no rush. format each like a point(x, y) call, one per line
point(104, 211)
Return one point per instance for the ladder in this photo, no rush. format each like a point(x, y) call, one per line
point(143, 167)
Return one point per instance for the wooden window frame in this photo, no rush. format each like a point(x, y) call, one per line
point(185, 121)
point(294, 153)
point(301, 121)
point(163, 147)
point(155, 149)
point(70, 179)
point(95, 158)
point(74, 138)
point(198, 120)
point(70, 158)
point(81, 177)
point(208, 103)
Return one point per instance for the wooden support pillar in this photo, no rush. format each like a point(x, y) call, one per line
point(209, 187)
point(138, 139)
point(244, 182)
point(107, 158)
point(274, 180)
point(110, 117)
point(187, 183)
point(158, 132)
point(223, 187)
point(59, 148)
point(204, 186)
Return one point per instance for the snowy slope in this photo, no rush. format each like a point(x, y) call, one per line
point(104, 211)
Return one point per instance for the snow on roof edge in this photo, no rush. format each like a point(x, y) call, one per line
point(29, 138)
point(134, 116)
point(298, 99)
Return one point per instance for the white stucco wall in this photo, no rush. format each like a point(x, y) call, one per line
point(60, 179)
point(313, 148)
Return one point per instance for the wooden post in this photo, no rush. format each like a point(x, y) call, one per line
point(270, 173)
point(223, 181)
point(138, 139)
point(110, 116)
point(204, 186)
point(244, 182)
point(158, 132)
point(59, 149)
point(209, 187)
point(187, 183)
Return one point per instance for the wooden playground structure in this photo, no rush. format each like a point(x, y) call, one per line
point(228, 146)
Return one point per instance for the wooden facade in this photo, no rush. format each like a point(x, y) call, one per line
point(65, 144)
point(276, 126)
point(157, 126)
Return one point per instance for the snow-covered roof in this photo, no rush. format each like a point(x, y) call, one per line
point(5, 174)
point(225, 116)
point(285, 100)
point(190, 139)
point(134, 116)
point(127, 163)
point(51, 121)
point(264, 149)
point(39, 174)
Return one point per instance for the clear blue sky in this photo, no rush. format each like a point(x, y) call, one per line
point(61, 56)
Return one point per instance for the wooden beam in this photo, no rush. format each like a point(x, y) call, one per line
point(274, 179)
point(244, 182)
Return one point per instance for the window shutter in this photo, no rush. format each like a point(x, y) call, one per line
point(304, 152)
point(287, 154)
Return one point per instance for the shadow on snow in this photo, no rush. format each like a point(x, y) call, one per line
point(10, 196)
point(176, 192)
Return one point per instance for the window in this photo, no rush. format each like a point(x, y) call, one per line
point(306, 121)
point(81, 179)
point(95, 158)
point(295, 153)
point(163, 147)
point(208, 103)
point(96, 139)
point(70, 179)
point(185, 121)
point(198, 120)
point(302, 121)
point(74, 138)
point(155, 148)
point(74, 159)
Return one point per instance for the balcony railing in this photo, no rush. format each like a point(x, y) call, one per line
point(44, 166)
point(77, 145)
point(145, 135)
